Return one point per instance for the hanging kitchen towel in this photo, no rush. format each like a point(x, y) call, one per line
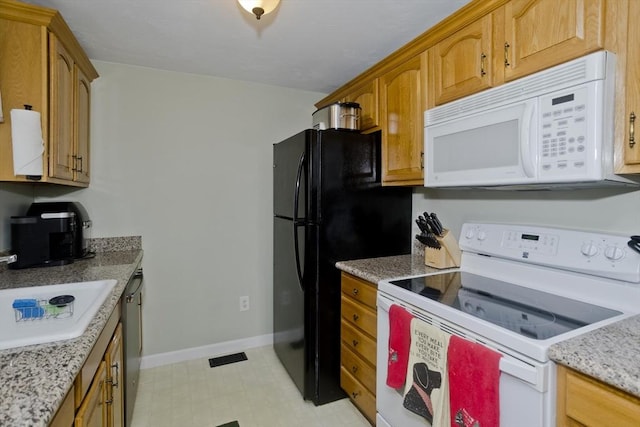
point(399, 343)
point(426, 391)
point(474, 384)
point(27, 144)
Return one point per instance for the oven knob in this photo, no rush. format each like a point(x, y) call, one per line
point(482, 235)
point(469, 234)
point(614, 253)
point(589, 249)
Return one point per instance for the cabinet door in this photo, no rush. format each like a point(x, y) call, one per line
point(367, 96)
point(93, 411)
point(115, 379)
point(631, 140)
point(543, 33)
point(61, 112)
point(461, 64)
point(82, 95)
point(402, 109)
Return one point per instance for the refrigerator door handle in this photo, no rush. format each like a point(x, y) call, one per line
point(296, 191)
point(297, 254)
point(296, 222)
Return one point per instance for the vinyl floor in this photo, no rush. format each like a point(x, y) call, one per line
point(255, 393)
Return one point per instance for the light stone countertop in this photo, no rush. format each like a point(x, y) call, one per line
point(610, 354)
point(376, 269)
point(34, 380)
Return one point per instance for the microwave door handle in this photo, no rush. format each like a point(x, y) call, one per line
point(527, 136)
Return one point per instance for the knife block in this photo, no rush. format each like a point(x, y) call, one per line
point(448, 256)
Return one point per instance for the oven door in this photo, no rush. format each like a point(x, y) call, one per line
point(527, 387)
point(496, 147)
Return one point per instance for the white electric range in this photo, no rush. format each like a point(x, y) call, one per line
point(519, 290)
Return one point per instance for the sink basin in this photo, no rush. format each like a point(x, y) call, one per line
point(59, 323)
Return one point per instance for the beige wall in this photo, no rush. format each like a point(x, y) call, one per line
point(610, 210)
point(185, 161)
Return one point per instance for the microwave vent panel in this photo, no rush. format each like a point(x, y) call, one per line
point(579, 71)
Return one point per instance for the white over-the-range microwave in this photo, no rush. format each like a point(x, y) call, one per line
point(551, 129)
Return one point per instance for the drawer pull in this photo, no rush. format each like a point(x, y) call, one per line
point(506, 55)
point(355, 291)
point(354, 369)
point(355, 394)
point(355, 342)
point(355, 317)
point(483, 57)
point(632, 129)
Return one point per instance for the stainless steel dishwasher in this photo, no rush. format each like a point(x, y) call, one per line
point(132, 331)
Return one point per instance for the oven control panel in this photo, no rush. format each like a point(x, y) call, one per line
point(599, 254)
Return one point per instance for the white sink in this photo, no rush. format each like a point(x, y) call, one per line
point(89, 297)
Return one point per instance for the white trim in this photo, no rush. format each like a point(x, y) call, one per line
point(206, 351)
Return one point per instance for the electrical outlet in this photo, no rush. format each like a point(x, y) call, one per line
point(244, 303)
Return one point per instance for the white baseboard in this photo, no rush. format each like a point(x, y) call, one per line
point(206, 351)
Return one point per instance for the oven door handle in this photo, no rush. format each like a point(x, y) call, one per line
point(534, 375)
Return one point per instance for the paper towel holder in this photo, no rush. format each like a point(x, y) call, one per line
point(29, 107)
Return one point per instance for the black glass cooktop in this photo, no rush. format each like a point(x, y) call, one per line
point(534, 314)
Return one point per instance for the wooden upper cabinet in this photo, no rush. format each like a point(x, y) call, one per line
point(43, 65)
point(82, 114)
point(630, 116)
point(402, 108)
point(461, 64)
point(61, 89)
point(366, 95)
point(543, 33)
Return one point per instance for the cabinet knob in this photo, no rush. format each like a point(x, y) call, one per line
point(355, 291)
point(355, 394)
point(355, 342)
point(354, 369)
point(355, 317)
point(632, 129)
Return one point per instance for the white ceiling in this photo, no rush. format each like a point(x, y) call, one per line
point(314, 45)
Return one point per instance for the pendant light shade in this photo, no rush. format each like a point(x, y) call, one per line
point(259, 7)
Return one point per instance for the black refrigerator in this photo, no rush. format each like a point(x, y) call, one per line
point(329, 206)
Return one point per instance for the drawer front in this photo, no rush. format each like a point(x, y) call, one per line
point(358, 394)
point(593, 403)
point(358, 342)
point(361, 316)
point(356, 366)
point(360, 290)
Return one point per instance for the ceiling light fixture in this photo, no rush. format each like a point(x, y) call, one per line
point(259, 7)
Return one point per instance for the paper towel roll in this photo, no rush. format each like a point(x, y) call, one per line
point(28, 147)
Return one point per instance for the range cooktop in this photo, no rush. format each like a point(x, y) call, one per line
point(528, 312)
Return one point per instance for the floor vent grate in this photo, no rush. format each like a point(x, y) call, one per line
point(225, 360)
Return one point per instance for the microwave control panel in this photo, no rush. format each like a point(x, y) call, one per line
point(564, 136)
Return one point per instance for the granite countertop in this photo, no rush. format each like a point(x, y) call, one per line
point(34, 380)
point(609, 354)
point(376, 269)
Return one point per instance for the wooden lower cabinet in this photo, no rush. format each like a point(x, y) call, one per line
point(114, 358)
point(93, 411)
point(358, 330)
point(66, 413)
point(586, 402)
point(99, 387)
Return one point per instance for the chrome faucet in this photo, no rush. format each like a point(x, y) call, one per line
point(8, 259)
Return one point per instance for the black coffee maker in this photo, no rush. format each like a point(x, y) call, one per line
point(51, 233)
